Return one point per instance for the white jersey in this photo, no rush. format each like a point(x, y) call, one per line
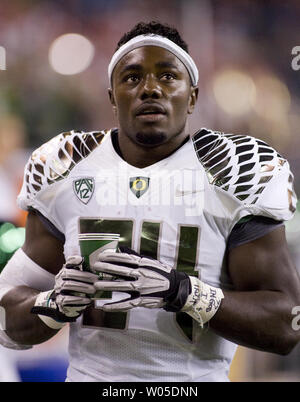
point(179, 210)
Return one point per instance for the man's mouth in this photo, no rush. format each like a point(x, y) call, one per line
point(150, 113)
point(150, 110)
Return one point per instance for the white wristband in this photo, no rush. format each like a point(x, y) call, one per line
point(203, 301)
point(43, 300)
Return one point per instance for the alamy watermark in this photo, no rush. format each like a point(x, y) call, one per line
point(176, 188)
point(2, 319)
point(2, 58)
point(296, 319)
point(296, 59)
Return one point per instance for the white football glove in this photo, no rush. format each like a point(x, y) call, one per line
point(71, 295)
point(150, 283)
point(153, 284)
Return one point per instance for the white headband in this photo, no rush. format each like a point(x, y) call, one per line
point(155, 40)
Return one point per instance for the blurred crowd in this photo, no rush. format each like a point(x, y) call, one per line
point(247, 85)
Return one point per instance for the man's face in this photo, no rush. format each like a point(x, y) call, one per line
point(152, 95)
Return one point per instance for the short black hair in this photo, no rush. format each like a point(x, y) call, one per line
point(154, 27)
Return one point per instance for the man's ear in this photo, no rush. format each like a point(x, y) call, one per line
point(193, 99)
point(112, 100)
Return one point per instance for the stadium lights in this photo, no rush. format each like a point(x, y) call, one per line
point(234, 91)
point(273, 97)
point(11, 238)
point(71, 54)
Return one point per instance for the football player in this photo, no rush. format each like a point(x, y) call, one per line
point(202, 264)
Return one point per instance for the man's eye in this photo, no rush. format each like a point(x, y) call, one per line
point(131, 78)
point(168, 76)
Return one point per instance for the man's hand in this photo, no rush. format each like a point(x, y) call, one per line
point(149, 282)
point(71, 294)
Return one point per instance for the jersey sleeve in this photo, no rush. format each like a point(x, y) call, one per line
point(250, 172)
point(49, 166)
point(251, 228)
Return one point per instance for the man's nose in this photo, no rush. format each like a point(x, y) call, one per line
point(150, 88)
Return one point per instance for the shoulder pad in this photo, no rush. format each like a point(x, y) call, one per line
point(55, 159)
point(242, 165)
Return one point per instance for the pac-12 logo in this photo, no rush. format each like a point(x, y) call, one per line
point(84, 188)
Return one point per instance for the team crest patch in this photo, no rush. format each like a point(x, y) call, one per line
point(139, 185)
point(84, 189)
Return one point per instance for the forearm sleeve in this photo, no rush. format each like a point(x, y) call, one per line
point(21, 271)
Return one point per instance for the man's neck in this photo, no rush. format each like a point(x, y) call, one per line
point(142, 156)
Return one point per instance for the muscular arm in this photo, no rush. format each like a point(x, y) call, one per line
point(47, 251)
point(257, 313)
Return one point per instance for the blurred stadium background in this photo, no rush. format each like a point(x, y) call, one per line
point(55, 82)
